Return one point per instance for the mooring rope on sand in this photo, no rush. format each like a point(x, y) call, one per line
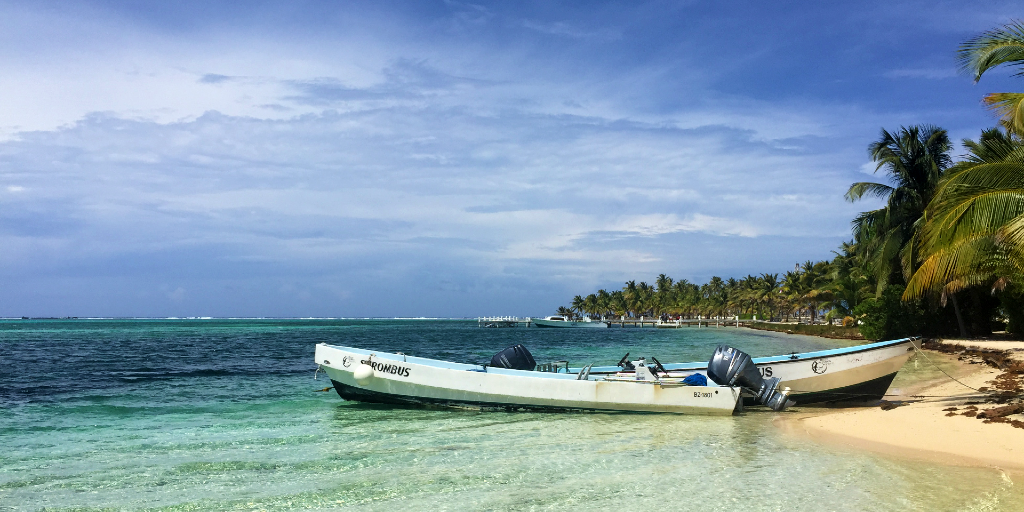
point(993, 393)
point(954, 379)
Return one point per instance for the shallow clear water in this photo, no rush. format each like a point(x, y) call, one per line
point(225, 415)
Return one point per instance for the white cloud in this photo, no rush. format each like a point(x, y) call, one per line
point(314, 186)
point(377, 155)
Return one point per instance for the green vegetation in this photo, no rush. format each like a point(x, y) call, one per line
point(823, 330)
point(944, 255)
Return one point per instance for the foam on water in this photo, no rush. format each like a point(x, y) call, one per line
point(224, 415)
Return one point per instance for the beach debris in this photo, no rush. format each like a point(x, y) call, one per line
point(971, 411)
point(999, 415)
point(886, 405)
point(999, 359)
point(999, 412)
point(1005, 389)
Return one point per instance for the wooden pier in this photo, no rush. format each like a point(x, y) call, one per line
point(674, 324)
point(513, 321)
point(503, 321)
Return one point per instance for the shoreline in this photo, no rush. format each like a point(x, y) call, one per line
point(834, 332)
point(929, 416)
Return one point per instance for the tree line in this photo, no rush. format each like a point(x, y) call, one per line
point(943, 255)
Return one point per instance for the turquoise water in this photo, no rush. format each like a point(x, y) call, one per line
point(226, 415)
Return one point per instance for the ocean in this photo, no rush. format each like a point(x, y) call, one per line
point(226, 415)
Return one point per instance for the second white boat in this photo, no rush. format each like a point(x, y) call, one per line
point(562, 322)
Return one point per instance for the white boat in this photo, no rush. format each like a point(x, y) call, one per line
point(369, 376)
point(852, 374)
point(560, 321)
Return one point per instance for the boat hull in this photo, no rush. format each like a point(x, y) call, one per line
point(855, 374)
point(405, 380)
point(852, 374)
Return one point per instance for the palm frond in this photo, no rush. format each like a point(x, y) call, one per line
point(860, 189)
point(968, 256)
point(1009, 106)
point(994, 146)
point(1002, 45)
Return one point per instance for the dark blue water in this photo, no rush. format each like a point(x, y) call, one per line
point(106, 359)
point(226, 415)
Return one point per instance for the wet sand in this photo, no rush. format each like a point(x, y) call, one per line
point(920, 425)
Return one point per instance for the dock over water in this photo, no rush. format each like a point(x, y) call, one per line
point(503, 321)
point(514, 321)
point(673, 324)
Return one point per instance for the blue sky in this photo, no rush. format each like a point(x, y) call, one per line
point(442, 158)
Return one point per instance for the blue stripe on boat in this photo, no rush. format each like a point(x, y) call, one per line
point(611, 369)
point(436, 363)
point(698, 365)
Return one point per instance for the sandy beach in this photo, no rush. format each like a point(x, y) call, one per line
point(919, 420)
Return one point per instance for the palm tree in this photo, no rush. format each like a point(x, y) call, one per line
point(578, 304)
point(714, 296)
point(914, 159)
point(747, 295)
point(732, 287)
point(994, 146)
point(618, 303)
point(643, 299)
point(975, 230)
point(663, 296)
point(849, 283)
point(1002, 45)
point(815, 280)
point(793, 291)
point(565, 313)
point(684, 297)
point(629, 294)
point(604, 302)
point(768, 286)
point(590, 305)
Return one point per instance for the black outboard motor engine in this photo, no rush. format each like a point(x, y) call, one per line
point(732, 367)
point(515, 357)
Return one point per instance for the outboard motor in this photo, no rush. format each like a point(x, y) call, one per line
point(515, 357)
point(732, 367)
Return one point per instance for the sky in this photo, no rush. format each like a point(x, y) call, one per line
point(446, 158)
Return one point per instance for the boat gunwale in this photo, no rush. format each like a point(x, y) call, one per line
point(449, 365)
point(782, 358)
point(571, 372)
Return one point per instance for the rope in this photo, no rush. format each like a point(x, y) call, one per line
point(954, 379)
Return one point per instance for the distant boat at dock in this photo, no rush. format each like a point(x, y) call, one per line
point(562, 322)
